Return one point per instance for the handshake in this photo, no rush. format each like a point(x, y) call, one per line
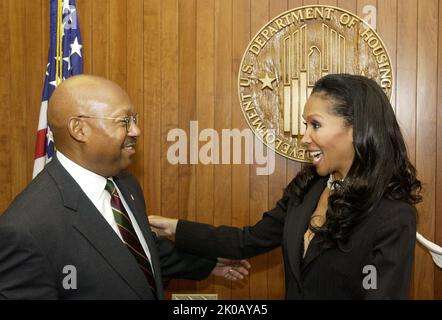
point(227, 268)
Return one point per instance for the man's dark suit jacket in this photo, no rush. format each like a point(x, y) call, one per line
point(385, 241)
point(53, 224)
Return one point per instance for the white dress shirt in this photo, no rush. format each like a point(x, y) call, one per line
point(93, 185)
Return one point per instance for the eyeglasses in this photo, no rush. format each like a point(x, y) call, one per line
point(127, 120)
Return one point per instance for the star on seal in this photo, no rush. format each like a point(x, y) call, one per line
point(267, 82)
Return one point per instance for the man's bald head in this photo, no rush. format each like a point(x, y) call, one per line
point(81, 94)
point(86, 115)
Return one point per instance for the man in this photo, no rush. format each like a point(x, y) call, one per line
point(79, 230)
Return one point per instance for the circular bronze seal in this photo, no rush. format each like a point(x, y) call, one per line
point(287, 56)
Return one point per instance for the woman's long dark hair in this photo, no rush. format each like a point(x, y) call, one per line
point(380, 168)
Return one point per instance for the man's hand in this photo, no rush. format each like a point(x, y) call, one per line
point(163, 226)
point(231, 269)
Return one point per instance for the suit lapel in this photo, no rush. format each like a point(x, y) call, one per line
point(91, 224)
point(296, 225)
point(137, 207)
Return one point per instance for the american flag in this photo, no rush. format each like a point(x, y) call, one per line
point(64, 60)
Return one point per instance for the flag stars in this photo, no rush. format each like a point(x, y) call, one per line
point(76, 47)
point(68, 60)
point(49, 136)
point(56, 82)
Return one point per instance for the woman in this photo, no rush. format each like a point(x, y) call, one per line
point(347, 222)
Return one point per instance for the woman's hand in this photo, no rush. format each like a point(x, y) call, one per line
point(163, 226)
point(231, 269)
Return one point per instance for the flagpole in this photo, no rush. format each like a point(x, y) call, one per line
point(59, 56)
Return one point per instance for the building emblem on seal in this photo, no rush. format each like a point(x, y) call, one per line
point(286, 57)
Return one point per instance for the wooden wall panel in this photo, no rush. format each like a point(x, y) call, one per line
point(438, 226)
point(169, 106)
point(386, 25)
point(169, 102)
point(152, 105)
point(406, 82)
point(309, 2)
point(277, 182)
point(178, 60)
point(20, 151)
point(329, 2)
point(187, 111)
point(205, 111)
point(5, 111)
point(349, 5)
point(34, 62)
point(407, 73)
point(134, 74)
point(223, 120)
point(100, 38)
point(118, 41)
point(44, 21)
point(426, 132)
point(240, 173)
point(259, 184)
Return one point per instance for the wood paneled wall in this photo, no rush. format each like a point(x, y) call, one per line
point(178, 60)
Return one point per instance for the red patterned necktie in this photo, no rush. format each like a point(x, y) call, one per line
point(129, 236)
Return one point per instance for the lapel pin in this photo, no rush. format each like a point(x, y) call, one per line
point(132, 197)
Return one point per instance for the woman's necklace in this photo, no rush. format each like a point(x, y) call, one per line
point(330, 182)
